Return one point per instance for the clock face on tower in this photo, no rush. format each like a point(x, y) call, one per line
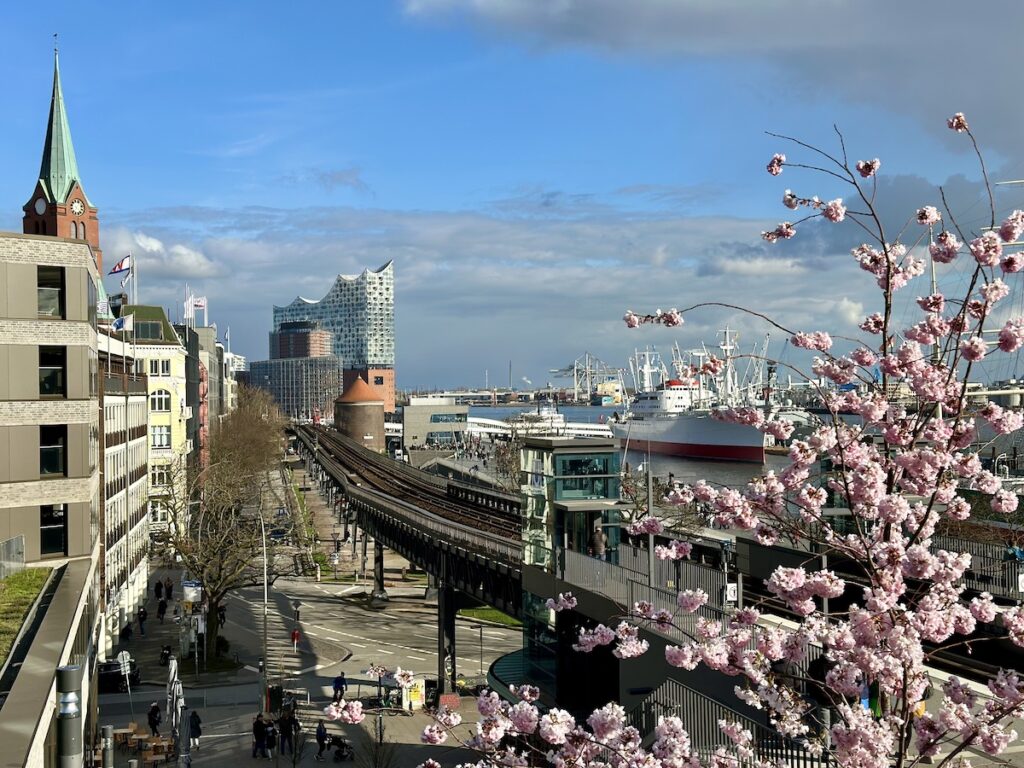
point(77, 208)
point(40, 206)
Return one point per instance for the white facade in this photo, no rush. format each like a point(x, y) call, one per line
point(359, 310)
point(125, 534)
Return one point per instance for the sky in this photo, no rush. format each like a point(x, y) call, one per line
point(533, 167)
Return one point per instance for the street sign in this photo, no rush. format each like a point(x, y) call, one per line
point(731, 592)
point(125, 660)
point(334, 558)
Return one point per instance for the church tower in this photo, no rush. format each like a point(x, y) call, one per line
point(58, 205)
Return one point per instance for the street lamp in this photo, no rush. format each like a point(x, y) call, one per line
point(263, 666)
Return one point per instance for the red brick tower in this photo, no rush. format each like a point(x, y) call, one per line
point(58, 205)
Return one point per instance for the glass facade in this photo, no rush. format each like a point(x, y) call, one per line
point(447, 418)
point(359, 311)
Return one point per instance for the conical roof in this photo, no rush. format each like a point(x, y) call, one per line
point(360, 392)
point(59, 169)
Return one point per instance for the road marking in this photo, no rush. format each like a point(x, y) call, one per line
point(358, 645)
point(428, 637)
point(381, 650)
point(311, 633)
point(418, 658)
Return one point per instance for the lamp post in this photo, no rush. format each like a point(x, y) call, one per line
point(263, 661)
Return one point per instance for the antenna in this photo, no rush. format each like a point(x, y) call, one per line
point(54, 43)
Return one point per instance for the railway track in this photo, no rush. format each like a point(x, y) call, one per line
point(411, 486)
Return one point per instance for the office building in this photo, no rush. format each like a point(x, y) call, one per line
point(304, 387)
point(303, 338)
point(359, 312)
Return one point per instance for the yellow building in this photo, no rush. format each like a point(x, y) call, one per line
point(160, 354)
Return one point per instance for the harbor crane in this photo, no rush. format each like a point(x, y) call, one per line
point(586, 372)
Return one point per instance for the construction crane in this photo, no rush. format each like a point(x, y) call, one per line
point(586, 371)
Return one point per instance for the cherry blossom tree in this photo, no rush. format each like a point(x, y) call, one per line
point(898, 472)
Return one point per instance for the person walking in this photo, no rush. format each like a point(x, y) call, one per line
point(142, 616)
point(158, 589)
point(259, 737)
point(169, 588)
point(154, 718)
point(161, 610)
point(321, 740)
point(222, 614)
point(286, 725)
point(295, 640)
point(340, 686)
point(195, 728)
point(271, 738)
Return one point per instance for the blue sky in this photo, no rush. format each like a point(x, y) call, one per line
point(534, 167)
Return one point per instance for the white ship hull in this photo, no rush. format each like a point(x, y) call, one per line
point(693, 435)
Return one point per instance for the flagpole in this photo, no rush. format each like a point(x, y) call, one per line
point(135, 283)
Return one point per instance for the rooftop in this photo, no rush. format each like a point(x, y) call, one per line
point(360, 392)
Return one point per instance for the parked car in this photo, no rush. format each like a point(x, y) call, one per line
point(110, 680)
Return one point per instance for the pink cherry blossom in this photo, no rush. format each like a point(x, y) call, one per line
point(670, 318)
point(790, 200)
point(872, 323)
point(556, 725)
point(1011, 263)
point(1012, 227)
point(987, 249)
point(564, 602)
point(1011, 336)
point(783, 231)
point(834, 210)
point(676, 550)
point(974, 348)
point(945, 247)
point(818, 340)
point(956, 123)
point(632, 320)
point(690, 600)
point(928, 215)
point(433, 734)
point(775, 164)
point(868, 168)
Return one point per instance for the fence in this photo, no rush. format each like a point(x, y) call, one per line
point(700, 715)
point(677, 574)
point(627, 587)
point(12, 556)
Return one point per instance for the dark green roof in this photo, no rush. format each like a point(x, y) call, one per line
point(59, 169)
point(145, 314)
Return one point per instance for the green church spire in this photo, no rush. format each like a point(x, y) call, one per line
point(59, 168)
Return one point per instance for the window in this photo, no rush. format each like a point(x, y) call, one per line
point(53, 363)
point(378, 381)
point(161, 437)
point(53, 440)
point(159, 367)
point(160, 401)
point(53, 528)
point(159, 475)
point(149, 329)
point(447, 418)
point(50, 281)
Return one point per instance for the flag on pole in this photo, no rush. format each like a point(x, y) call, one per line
point(199, 302)
point(125, 323)
point(124, 265)
point(125, 279)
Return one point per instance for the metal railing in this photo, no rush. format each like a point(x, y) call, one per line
point(12, 556)
point(678, 574)
point(701, 714)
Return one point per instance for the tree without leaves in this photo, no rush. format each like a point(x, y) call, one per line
point(214, 511)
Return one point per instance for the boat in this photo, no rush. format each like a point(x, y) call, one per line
point(675, 415)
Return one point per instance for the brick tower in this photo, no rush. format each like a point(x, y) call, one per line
point(58, 205)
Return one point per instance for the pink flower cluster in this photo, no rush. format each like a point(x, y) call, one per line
point(645, 525)
point(676, 550)
point(564, 602)
point(956, 123)
point(670, 318)
point(945, 247)
point(783, 231)
point(775, 164)
point(348, 712)
point(818, 340)
point(868, 168)
point(834, 210)
point(928, 215)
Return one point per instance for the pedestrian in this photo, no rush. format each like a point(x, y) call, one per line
point(222, 614)
point(259, 737)
point(159, 589)
point(295, 640)
point(287, 725)
point(142, 615)
point(340, 686)
point(598, 542)
point(154, 718)
point(271, 738)
point(195, 728)
point(161, 610)
point(169, 588)
point(321, 740)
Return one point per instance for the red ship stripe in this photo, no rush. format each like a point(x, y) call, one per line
point(751, 453)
